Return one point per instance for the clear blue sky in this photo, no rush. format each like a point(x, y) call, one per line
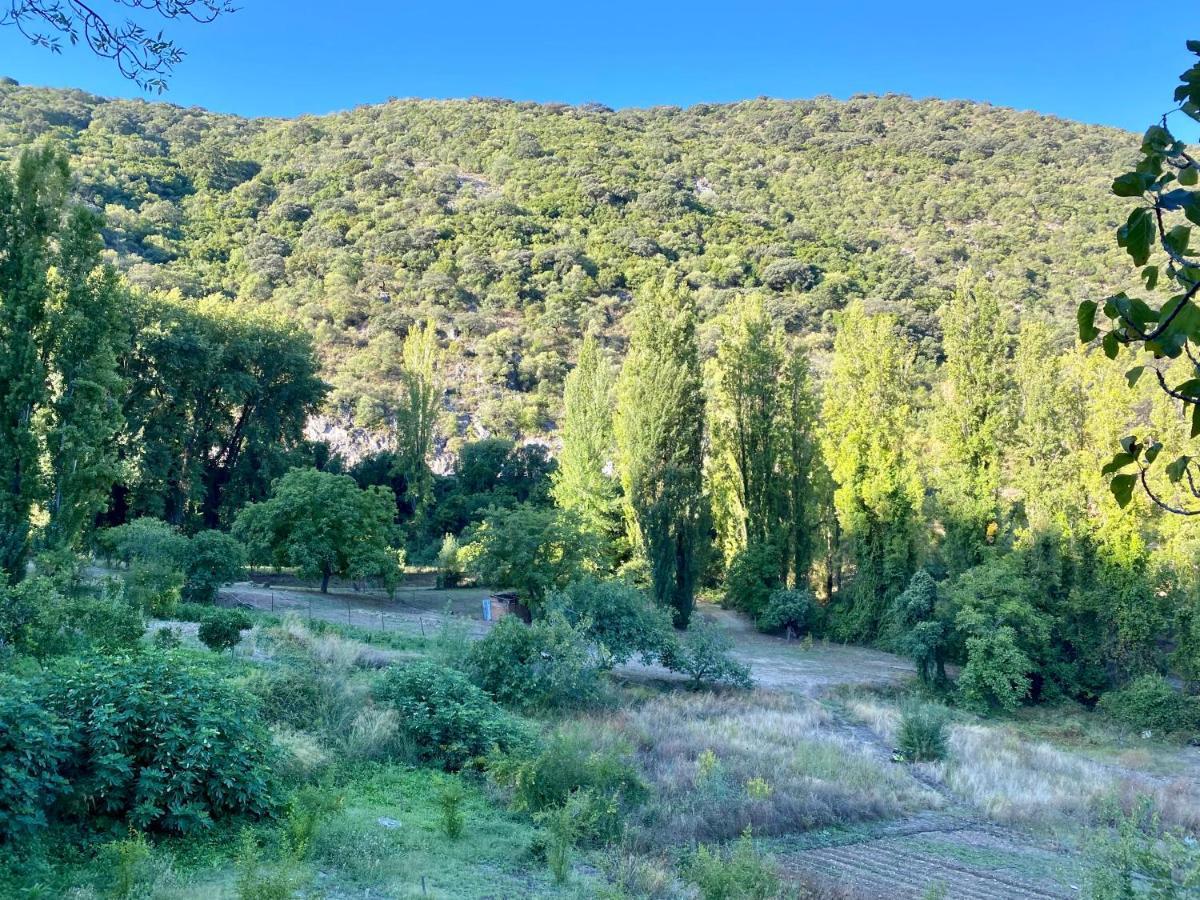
point(1086, 61)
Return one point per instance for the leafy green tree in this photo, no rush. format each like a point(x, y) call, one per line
point(61, 328)
point(915, 626)
point(218, 400)
point(800, 470)
point(659, 429)
point(752, 577)
point(971, 422)
point(1047, 433)
point(417, 411)
point(743, 407)
point(584, 483)
point(322, 525)
point(762, 447)
point(867, 417)
point(529, 549)
point(1157, 235)
point(213, 558)
point(617, 616)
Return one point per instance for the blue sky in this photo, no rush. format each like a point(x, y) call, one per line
point(1080, 60)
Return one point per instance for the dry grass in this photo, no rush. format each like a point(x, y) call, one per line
point(1016, 780)
point(720, 763)
point(1012, 780)
point(882, 718)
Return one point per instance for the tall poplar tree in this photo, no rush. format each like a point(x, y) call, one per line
point(760, 414)
point(866, 417)
point(59, 324)
point(417, 411)
point(583, 482)
point(972, 421)
point(659, 434)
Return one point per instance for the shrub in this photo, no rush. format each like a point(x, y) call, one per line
point(145, 540)
point(573, 765)
point(448, 719)
point(136, 723)
point(1137, 857)
point(154, 587)
point(791, 612)
point(449, 565)
point(541, 666)
point(221, 629)
point(212, 559)
point(616, 616)
point(33, 750)
point(450, 800)
point(753, 575)
point(742, 873)
point(921, 736)
point(1149, 703)
point(37, 619)
point(996, 675)
point(701, 653)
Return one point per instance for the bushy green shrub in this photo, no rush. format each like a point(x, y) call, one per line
point(145, 540)
point(996, 675)
point(740, 873)
point(212, 559)
point(222, 628)
point(753, 575)
point(617, 617)
point(541, 666)
point(152, 741)
point(574, 763)
point(290, 692)
point(135, 721)
point(153, 587)
point(702, 653)
point(448, 719)
point(1150, 703)
point(449, 563)
point(37, 619)
point(921, 736)
point(33, 750)
point(790, 611)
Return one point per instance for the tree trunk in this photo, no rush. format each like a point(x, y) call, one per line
point(325, 583)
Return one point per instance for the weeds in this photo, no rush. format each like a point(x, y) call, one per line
point(922, 736)
point(741, 873)
point(450, 802)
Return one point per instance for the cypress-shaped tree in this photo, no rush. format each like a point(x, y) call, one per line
point(417, 411)
point(760, 415)
point(866, 418)
point(659, 430)
point(972, 422)
point(583, 483)
point(60, 329)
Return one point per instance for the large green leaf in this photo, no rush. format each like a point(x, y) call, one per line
point(1122, 488)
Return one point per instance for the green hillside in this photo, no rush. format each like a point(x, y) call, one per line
point(516, 225)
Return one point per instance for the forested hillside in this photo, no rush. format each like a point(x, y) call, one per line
point(517, 225)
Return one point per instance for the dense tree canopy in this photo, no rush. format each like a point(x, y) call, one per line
point(517, 227)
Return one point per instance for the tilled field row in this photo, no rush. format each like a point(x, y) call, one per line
point(891, 868)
